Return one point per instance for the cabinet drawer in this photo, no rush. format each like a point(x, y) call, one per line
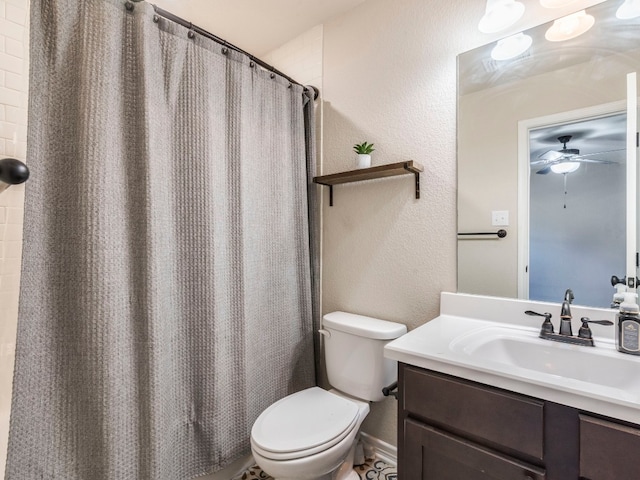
point(436, 455)
point(608, 451)
point(508, 420)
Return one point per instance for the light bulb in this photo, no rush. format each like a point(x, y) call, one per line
point(565, 167)
point(629, 9)
point(570, 26)
point(500, 14)
point(511, 47)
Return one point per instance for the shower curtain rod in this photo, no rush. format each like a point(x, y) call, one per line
point(174, 18)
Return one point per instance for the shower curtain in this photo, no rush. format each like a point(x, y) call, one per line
point(168, 267)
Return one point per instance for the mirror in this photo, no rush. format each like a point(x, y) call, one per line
point(511, 114)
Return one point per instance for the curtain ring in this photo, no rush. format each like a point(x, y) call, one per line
point(156, 19)
point(252, 64)
point(129, 6)
point(272, 76)
point(225, 50)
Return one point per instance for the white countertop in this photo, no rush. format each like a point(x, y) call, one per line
point(448, 344)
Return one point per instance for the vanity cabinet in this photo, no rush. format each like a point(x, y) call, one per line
point(452, 429)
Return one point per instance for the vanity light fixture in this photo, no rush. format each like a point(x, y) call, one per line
point(500, 14)
point(629, 9)
point(511, 47)
point(555, 3)
point(570, 26)
point(565, 167)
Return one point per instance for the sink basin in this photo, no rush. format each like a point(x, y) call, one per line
point(511, 348)
point(491, 341)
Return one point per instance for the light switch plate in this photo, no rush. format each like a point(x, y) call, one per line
point(500, 218)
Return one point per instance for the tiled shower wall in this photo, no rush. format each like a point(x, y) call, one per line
point(13, 143)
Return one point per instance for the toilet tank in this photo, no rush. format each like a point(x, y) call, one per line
point(353, 352)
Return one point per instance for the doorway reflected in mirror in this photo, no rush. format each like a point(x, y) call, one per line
point(577, 215)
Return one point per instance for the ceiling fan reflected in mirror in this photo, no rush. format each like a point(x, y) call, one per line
point(566, 160)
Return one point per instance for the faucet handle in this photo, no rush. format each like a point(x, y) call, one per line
point(585, 331)
point(547, 326)
point(536, 314)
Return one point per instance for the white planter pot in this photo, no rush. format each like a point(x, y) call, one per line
point(364, 160)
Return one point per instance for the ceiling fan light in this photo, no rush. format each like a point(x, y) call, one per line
point(555, 3)
point(565, 167)
point(570, 26)
point(500, 14)
point(629, 9)
point(511, 47)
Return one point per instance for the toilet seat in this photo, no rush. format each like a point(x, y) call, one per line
point(303, 424)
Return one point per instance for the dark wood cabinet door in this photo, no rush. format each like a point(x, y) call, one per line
point(608, 451)
point(431, 454)
point(505, 421)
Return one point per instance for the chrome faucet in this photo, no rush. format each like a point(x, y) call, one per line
point(566, 335)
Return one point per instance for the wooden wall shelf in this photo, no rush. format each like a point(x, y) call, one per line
point(380, 171)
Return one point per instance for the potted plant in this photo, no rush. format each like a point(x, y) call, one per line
point(364, 150)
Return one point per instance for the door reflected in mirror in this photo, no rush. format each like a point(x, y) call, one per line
point(577, 213)
point(511, 115)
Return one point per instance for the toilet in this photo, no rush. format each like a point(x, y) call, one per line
point(311, 434)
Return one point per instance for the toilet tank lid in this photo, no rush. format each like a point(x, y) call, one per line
point(363, 326)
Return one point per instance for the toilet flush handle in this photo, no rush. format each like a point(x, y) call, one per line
point(326, 333)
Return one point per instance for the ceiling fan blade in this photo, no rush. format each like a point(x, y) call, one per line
point(538, 163)
point(601, 153)
point(593, 160)
point(555, 157)
point(550, 161)
point(550, 156)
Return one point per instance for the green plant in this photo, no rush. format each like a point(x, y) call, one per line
point(363, 148)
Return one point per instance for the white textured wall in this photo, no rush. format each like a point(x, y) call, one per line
point(390, 78)
point(13, 143)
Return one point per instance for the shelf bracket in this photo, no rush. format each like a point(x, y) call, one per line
point(331, 195)
point(417, 175)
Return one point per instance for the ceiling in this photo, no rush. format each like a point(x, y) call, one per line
point(256, 26)
point(260, 26)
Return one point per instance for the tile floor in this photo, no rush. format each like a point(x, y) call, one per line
point(372, 470)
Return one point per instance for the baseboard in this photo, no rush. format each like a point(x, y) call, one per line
point(374, 447)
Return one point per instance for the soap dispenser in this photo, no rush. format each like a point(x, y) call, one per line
point(628, 325)
point(618, 297)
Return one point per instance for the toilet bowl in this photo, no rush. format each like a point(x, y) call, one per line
point(311, 434)
point(308, 435)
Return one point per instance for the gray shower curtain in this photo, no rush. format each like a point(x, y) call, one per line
point(167, 279)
